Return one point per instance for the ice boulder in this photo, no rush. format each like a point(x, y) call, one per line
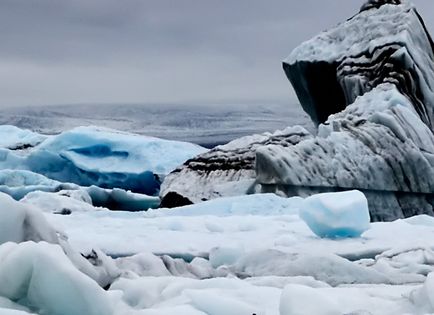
point(20, 222)
point(423, 297)
point(302, 300)
point(40, 276)
point(119, 199)
point(91, 198)
point(336, 215)
point(64, 202)
point(109, 159)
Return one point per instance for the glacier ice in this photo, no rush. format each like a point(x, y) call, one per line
point(227, 170)
point(377, 275)
point(40, 276)
point(220, 256)
point(119, 199)
point(252, 253)
point(64, 202)
point(54, 196)
point(336, 215)
point(422, 297)
point(20, 222)
point(368, 83)
point(257, 204)
point(302, 300)
point(109, 159)
point(216, 305)
point(103, 157)
point(14, 138)
point(18, 183)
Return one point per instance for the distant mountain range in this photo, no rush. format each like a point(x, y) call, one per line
point(204, 125)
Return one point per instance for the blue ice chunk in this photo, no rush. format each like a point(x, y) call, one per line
point(118, 199)
point(336, 215)
point(18, 183)
point(109, 159)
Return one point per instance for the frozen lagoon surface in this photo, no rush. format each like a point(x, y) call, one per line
point(253, 254)
point(239, 255)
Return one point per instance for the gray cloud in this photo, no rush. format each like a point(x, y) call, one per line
point(189, 51)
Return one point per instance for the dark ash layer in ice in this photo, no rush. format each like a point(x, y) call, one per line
point(368, 85)
point(226, 170)
point(374, 74)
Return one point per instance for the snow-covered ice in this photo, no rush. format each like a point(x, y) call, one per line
point(14, 138)
point(41, 277)
point(20, 222)
point(302, 300)
point(63, 252)
point(237, 254)
point(63, 202)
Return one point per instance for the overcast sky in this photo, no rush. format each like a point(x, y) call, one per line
point(158, 51)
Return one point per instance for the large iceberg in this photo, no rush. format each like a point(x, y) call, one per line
point(369, 85)
point(103, 157)
point(336, 215)
point(110, 159)
point(227, 170)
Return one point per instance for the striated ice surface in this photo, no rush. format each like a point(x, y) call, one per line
point(368, 84)
point(227, 170)
point(250, 254)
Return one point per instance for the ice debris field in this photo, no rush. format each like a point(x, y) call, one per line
point(283, 223)
point(60, 254)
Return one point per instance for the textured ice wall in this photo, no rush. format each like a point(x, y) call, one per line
point(227, 170)
point(375, 73)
